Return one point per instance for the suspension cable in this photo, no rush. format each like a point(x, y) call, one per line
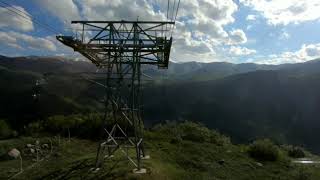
point(27, 17)
point(172, 15)
point(168, 9)
point(175, 18)
point(177, 11)
point(33, 18)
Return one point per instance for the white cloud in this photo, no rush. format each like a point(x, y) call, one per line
point(65, 10)
point(251, 17)
point(283, 12)
point(241, 51)
point(208, 19)
point(12, 20)
point(119, 10)
point(8, 40)
point(190, 47)
point(237, 37)
point(199, 27)
point(249, 27)
point(284, 36)
point(23, 41)
point(309, 51)
point(305, 53)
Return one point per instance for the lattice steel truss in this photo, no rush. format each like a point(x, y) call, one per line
point(120, 48)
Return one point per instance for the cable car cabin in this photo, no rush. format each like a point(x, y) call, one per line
point(164, 52)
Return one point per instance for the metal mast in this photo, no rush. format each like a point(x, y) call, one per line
point(120, 48)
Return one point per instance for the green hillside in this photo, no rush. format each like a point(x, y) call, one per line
point(178, 151)
point(277, 102)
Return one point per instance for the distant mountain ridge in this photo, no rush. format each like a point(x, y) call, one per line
point(179, 71)
point(45, 64)
point(244, 101)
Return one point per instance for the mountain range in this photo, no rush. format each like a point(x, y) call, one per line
point(245, 101)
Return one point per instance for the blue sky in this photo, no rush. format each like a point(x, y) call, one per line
point(239, 31)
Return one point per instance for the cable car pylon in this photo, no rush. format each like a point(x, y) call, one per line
point(119, 49)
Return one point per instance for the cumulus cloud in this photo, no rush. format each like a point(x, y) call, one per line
point(6, 39)
point(284, 36)
point(241, 51)
point(23, 41)
point(65, 10)
point(11, 20)
point(237, 37)
point(305, 53)
point(119, 10)
point(199, 27)
point(251, 17)
point(283, 12)
point(309, 51)
point(208, 18)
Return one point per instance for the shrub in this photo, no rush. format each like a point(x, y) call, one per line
point(33, 128)
point(55, 123)
point(219, 139)
point(165, 130)
point(296, 152)
point(88, 126)
point(198, 132)
point(177, 131)
point(264, 150)
point(303, 174)
point(194, 132)
point(5, 130)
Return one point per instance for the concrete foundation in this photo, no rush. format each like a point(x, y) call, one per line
point(107, 156)
point(145, 157)
point(94, 170)
point(141, 171)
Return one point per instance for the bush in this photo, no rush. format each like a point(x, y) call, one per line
point(5, 130)
point(33, 128)
point(194, 132)
point(190, 131)
point(87, 126)
point(264, 150)
point(303, 174)
point(296, 152)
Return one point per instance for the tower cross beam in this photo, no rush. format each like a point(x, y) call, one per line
point(123, 22)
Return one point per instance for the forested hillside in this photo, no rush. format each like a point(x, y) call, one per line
point(244, 101)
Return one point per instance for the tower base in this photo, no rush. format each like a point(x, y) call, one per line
point(139, 171)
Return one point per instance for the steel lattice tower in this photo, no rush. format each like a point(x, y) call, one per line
point(120, 48)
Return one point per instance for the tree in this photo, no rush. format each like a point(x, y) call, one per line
point(5, 130)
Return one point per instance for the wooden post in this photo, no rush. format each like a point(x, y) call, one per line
point(20, 163)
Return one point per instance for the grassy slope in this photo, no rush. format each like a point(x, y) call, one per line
point(169, 160)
